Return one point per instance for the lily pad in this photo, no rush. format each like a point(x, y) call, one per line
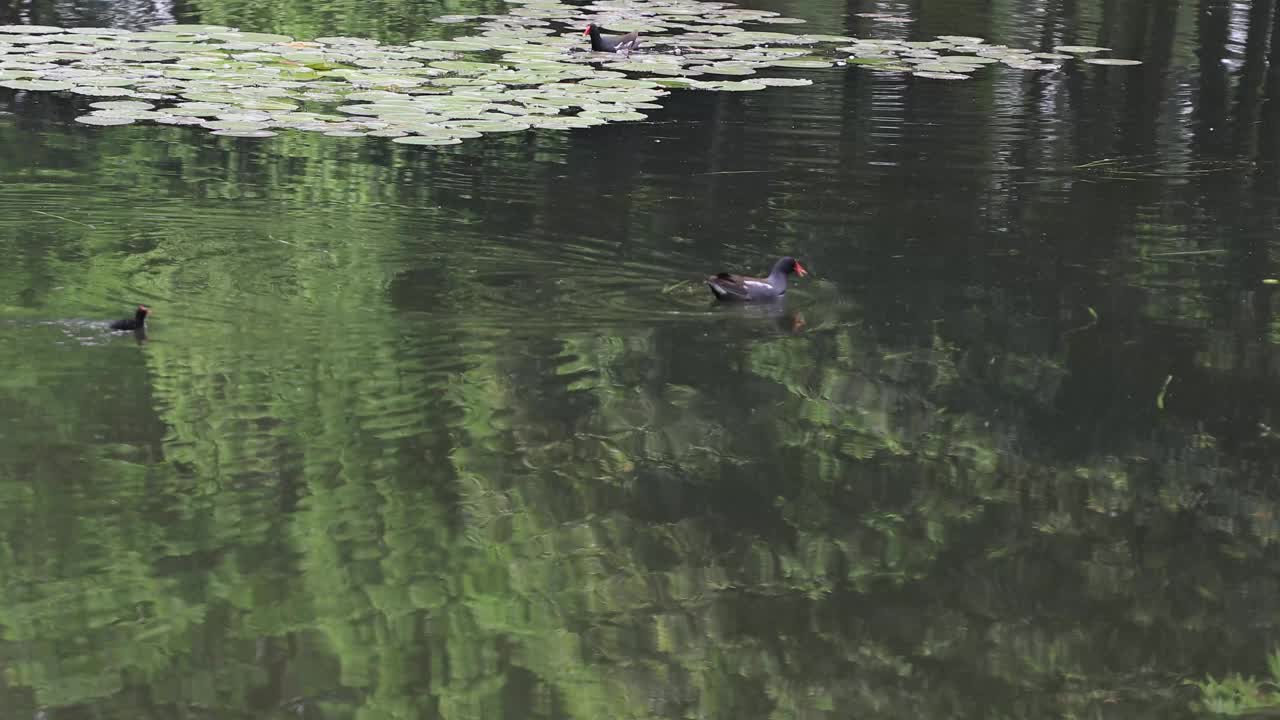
point(725, 68)
point(235, 125)
point(458, 45)
point(121, 105)
point(244, 133)
point(251, 37)
point(566, 122)
point(37, 85)
point(489, 126)
point(1079, 49)
point(102, 91)
point(104, 120)
point(940, 75)
point(1116, 62)
point(783, 82)
point(30, 29)
point(733, 86)
point(424, 140)
point(938, 67)
point(165, 36)
point(968, 59)
point(802, 63)
point(191, 29)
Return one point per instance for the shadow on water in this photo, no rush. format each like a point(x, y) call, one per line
point(458, 432)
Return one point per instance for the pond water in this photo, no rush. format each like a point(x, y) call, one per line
point(457, 432)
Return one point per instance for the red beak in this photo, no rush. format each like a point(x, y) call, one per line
point(800, 270)
point(587, 31)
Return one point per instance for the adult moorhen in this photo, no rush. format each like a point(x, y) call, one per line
point(742, 288)
point(611, 43)
point(137, 322)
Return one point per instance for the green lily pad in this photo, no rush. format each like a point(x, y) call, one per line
point(968, 59)
point(623, 116)
point(104, 120)
point(465, 66)
point(625, 83)
point(111, 81)
point(679, 83)
point(1031, 65)
point(265, 104)
point(733, 86)
point(566, 122)
point(457, 45)
point(165, 36)
point(1079, 49)
point(177, 120)
point(489, 126)
point(136, 55)
point(121, 105)
point(783, 82)
point(801, 63)
point(1115, 62)
point(37, 85)
point(197, 109)
point(244, 133)
point(425, 140)
point(29, 29)
point(102, 91)
point(190, 29)
point(725, 68)
point(940, 75)
point(944, 67)
point(234, 125)
point(251, 37)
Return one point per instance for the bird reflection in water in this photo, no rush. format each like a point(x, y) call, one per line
point(773, 314)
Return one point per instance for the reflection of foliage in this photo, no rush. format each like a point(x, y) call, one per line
point(387, 20)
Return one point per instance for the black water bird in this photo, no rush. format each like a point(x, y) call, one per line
point(611, 43)
point(742, 288)
point(135, 323)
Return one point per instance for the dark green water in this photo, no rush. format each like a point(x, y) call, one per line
point(454, 433)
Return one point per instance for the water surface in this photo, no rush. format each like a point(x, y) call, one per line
point(455, 432)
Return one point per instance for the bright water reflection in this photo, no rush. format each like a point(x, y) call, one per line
point(454, 432)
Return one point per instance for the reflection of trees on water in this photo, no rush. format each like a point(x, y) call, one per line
point(959, 497)
point(132, 14)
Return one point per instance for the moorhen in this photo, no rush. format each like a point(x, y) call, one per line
point(611, 43)
point(137, 322)
point(740, 287)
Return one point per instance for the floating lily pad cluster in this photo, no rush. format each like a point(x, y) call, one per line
point(530, 68)
point(956, 57)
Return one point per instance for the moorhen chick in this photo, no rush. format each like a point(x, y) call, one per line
point(137, 322)
point(611, 43)
point(742, 288)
